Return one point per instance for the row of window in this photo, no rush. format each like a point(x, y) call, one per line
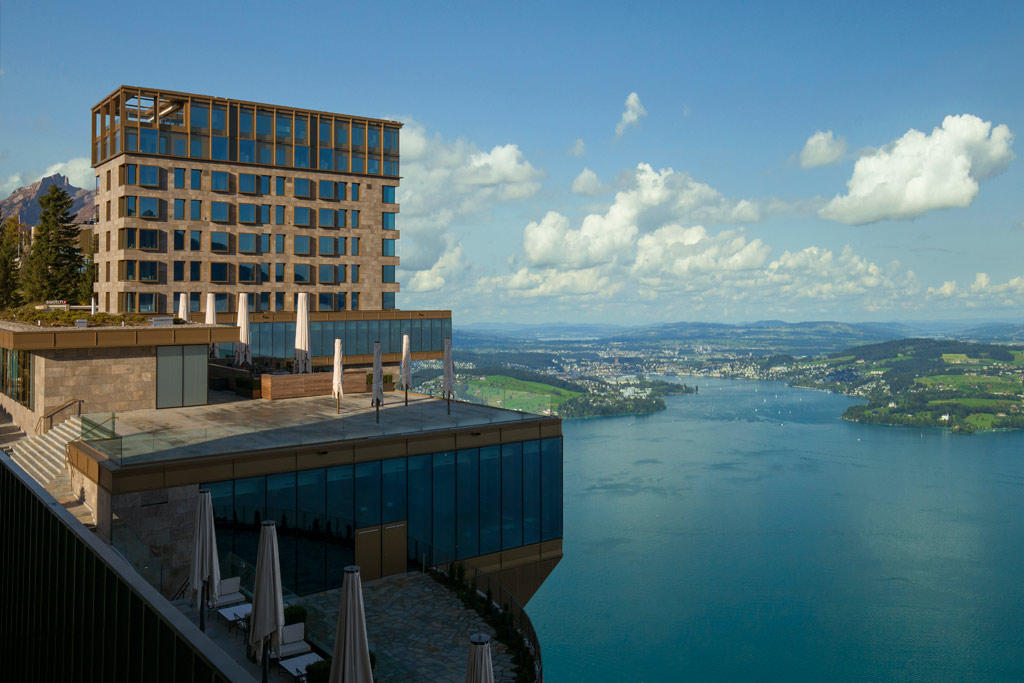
point(151, 302)
point(146, 239)
point(223, 273)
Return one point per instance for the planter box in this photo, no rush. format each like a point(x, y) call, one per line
point(248, 392)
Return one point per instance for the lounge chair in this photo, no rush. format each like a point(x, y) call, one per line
point(293, 640)
point(230, 593)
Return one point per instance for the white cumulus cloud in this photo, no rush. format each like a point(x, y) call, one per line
point(79, 173)
point(587, 183)
point(921, 172)
point(438, 275)
point(577, 149)
point(822, 149)
point(631, 116)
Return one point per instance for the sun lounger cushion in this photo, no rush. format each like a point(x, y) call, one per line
point(293, 640)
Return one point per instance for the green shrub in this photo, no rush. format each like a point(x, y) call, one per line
point(319, 672)
point(294, 615)
point(369, 379)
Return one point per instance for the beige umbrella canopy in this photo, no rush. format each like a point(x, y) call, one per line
point(351, 657)
point(243, 352)
point(337, 381)
point(448, 383)
point(479, 668)
point(303, 362)
point(211, 319)
point(406, 372)
point(267, 599)
point(183, 306)
point(377, 395)
point(204, 575)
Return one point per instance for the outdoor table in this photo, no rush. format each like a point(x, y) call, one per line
point(236, 614)
point(296, 666)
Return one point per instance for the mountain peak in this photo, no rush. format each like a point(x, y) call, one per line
point(24, 201)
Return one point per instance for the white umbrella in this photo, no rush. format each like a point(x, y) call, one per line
point(267, 617)
point(211, 319)
point(406, 373)
point(204, 576)
point(337, 382)
point(243, 352)
point(479, 668)
point(183, 306)
point(377, 395)
point(302, 360)
point(351, 660)
point(448, 384)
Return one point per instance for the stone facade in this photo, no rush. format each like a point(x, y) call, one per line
point(106, 379)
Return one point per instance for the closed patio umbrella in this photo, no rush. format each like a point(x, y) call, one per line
point(243, 352)
point(337, 382)
point(406, 373)
point(267, 600)
point(204, 576)
point(183, 306)
point(377, 395)
point(211, 319)
point(351, 658)
point(479, 668)
point(302, 359)
point(448, 384)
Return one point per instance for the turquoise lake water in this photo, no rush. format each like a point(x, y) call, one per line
point(747, 533)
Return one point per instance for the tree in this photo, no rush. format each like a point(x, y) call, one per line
point(87, 276)
point(52, 269)
point(10, 235)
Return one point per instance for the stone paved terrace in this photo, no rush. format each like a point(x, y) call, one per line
point(151, 435)
point(418, 629)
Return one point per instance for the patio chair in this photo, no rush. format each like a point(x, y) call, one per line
point(230, 593)
point(293, 640)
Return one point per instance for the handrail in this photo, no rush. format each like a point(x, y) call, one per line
point(180, 593)
point(502, 599)
point(67, 446)
point(77, 402)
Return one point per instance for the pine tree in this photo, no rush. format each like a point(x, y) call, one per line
point(88, 275)
point(9, 281)
point(53, 267)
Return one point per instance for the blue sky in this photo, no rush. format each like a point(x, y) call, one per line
point(626, 163)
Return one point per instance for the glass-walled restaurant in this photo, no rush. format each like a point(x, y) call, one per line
point(463, 504)
point(274, 343)
point(16, 376)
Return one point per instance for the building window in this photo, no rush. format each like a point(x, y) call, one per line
point(195, 240)
point(342, 218)
point(279, 274)
point(391, 140)
point(265, 214)
point(220, 302)
point(179, 209)
point(149, 207)
point(179, 271)
point(247, 243)
point(279, 186)
point(195, 210)
point(149, 176)
point(219, 148)
point(342, 190)
point(131, 141)
point(303, 188)
point(218, 272)
point(264, 124)
point(247, 151)
point(325, 301)
point(278, 244)
point(198, 147)
point(355, 192)
point(219, 212)
point(283, 155)
point(247, 272)
point(179, 240)
point(342, 273)
point(148, 271)
point(302, 245)
point(302, 216)
point(341, 246)
point(197, 179)
point(149, 239)
point(373, 165)
point(358, 135)
point(149, 141)
point(302, 273)
point(325, 246)
point(326, 189)
point(387, 300)
point(246, 213)
point(387, 220)
point(284, 127)
point(325, 273)
point(128, 238)
point(265, 244)
point(355, 272)
point(265, 277)
point(355, 220)
point(387, 247)
point(265, 152)
point(355, 246)
point(264, 184)
point(219, 242)
point(355, 301)
point(219, 181)
point(301, 156)
point(129, 174)
point(279, 300)
point(388, 194)
point(325, 218)
point(147, 302)
point(200, 117)
point(195, 271)
point(278, 215)
point(391, 166)
point(387, 273)
point(339, 301)
point(326, 160)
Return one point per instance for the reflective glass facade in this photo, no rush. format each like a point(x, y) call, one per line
point(463, 503)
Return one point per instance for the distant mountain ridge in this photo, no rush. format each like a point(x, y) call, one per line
point(24, 202)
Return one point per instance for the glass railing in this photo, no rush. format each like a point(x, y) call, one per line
point(137, 553)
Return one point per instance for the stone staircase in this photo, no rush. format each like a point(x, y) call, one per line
point(42, 456)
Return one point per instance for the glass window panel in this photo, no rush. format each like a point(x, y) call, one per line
point(179, 240)
point(264, 124)
point(387, 247)
point(200, 116)
point(250, 506)
point(312, 523)
point(325, 246)
point(195, 271)
point(467, 503)
point(551, 488)
point(247, 183)
point(149, 239)
point(388, 220)
point(388, 194)
point(179, 179)
point(219, 119)
point(420, 471)
point(326, 189)
point(219, 241)
point(325, 132)
point(284, 126)
point(247, 273)
point(436, 340)
point(179, 210)
point(219, 212)
point(265, 152)
point(281, 507)
point(198, 148)
point(373, 165)
point(219, 273)
point(490, 499)
point(246, 213)
point(283, 155)
point(219, 148)
point(149, 207)
point(511, 495)
point(357, 163)
point(149, 141)
point(149, 176)
point(219, 181)
point(367, 494)
point(387, 273)
point(325, 273)
point(301, 156)
point(340, 520)
point(326, 159)
point(325, 219)
point(358, 135)
point(373, 137)
point(302, 275)
point(247, 151)
point(245, 121)
point(444, 504)
point(302, 216)
point(531, 492)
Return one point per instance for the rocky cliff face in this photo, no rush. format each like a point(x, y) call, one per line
point(24, 201)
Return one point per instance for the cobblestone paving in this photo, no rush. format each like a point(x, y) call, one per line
point(418, 629)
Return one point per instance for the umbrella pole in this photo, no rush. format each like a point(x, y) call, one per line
point(202, 608)
point(339, 404)
point(449, 405)
point(266, 657)
point(407, 396)
point(378, 411)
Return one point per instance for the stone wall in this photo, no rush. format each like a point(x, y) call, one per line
point(163, 520)
point(106, 379)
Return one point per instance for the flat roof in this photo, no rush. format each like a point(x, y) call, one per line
point(238, 438)
point(21, 337)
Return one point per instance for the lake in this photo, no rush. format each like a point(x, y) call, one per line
point(747, 533)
